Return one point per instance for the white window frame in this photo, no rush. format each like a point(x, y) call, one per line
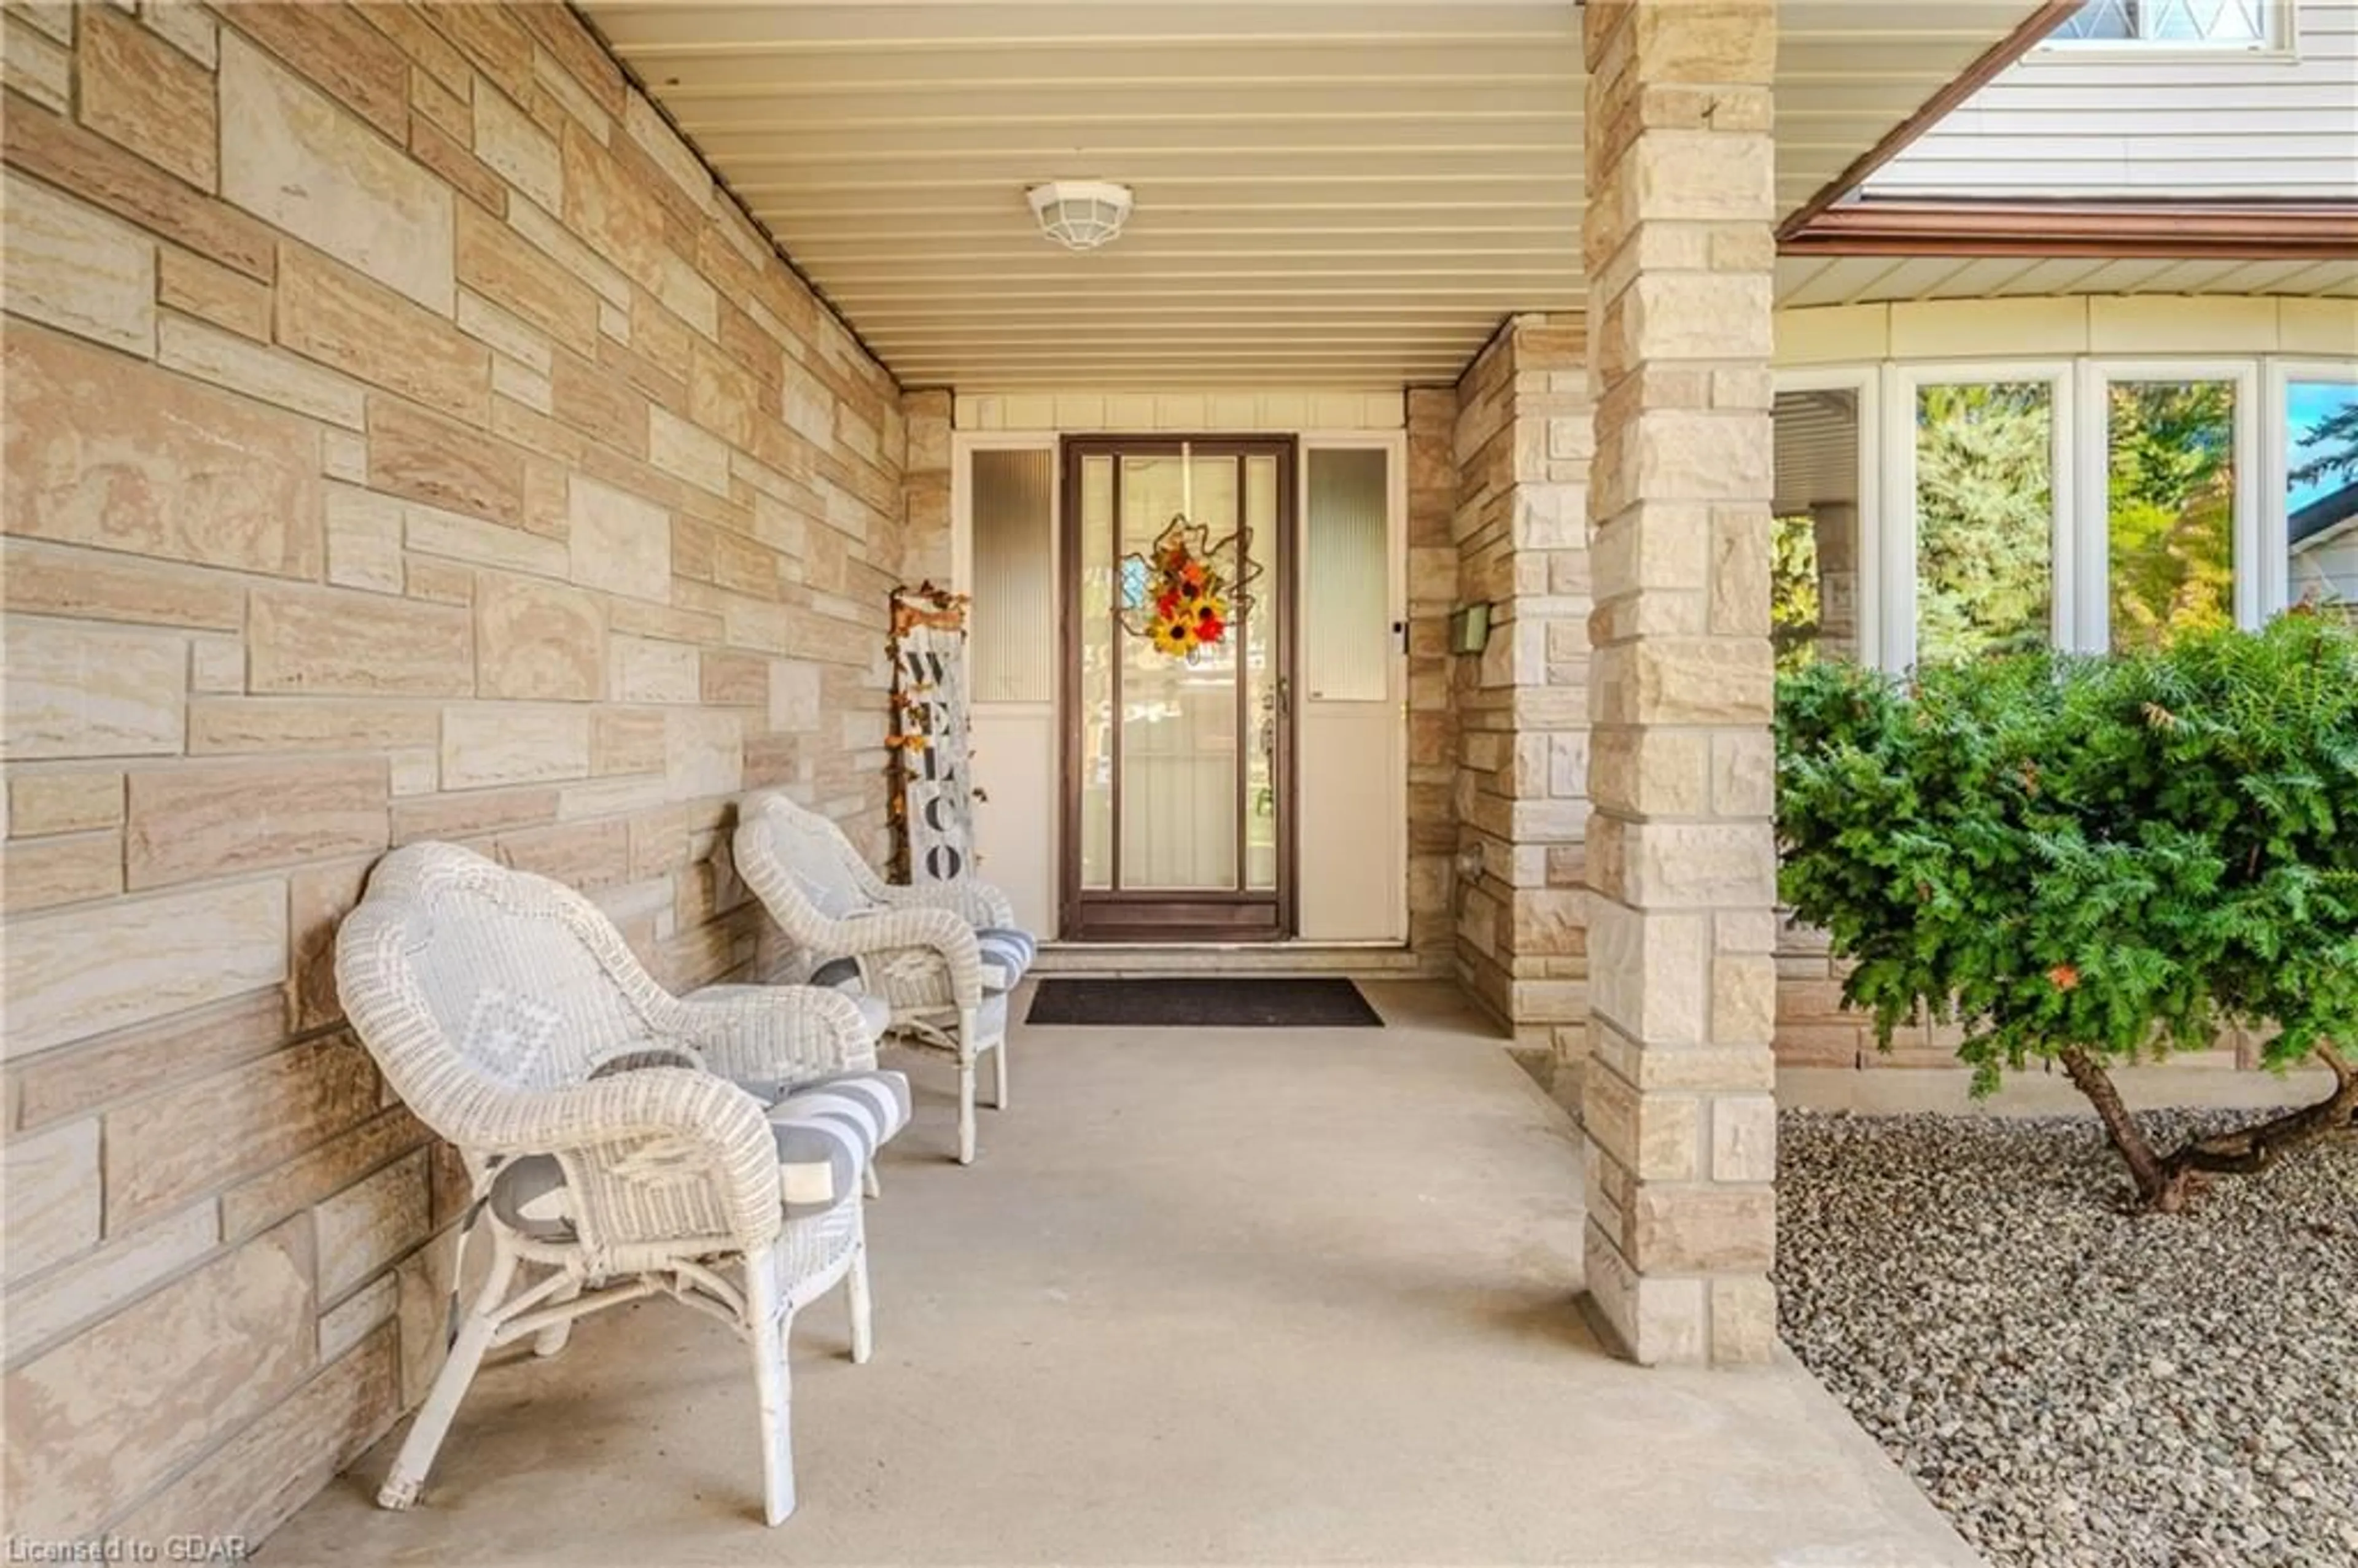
point(964, 444)
point(2277, 377)
point(1902, 381)
point(1393, 444)
point(1865, 383)
point(2079, 550)
point(2279, 40)
point(2094, 545)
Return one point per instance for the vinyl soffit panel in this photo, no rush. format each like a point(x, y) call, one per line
point(1381, 180)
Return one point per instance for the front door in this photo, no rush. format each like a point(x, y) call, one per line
point(1177, 682)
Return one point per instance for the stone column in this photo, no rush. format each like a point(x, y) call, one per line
point(1678, 1094)
point(1521, 531)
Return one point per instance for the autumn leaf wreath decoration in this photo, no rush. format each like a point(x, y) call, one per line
point(1187, 603)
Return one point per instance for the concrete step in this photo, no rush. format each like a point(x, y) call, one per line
point(1373, 960)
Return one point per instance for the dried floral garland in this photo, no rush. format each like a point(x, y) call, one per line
point(1187, 602)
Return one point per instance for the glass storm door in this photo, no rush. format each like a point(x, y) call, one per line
point(1177, 767)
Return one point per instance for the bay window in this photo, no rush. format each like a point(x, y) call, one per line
point(2171, 501)
point(1822, 565)
point(2313, 455)
point(1982, 489)
point(1931, 512)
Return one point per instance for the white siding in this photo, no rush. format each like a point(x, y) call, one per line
point(2156, 123)
point(2326, 568)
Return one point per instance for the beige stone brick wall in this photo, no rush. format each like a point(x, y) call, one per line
point(1520, 802)
point(404, 440)
point(927, 543)
point(1432, 715)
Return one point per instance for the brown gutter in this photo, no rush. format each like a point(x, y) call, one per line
point(2004, 52)
point(2246, 231)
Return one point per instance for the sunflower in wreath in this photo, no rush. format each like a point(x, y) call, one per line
point(1191, 601)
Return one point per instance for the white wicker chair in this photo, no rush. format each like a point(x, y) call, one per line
point(944, 957)
point(492, 1000)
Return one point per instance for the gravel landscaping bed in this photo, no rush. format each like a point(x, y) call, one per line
point(2068, 1383)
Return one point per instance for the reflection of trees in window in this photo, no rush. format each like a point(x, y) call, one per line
point(2170, 509)
point(2326, 452)
point(1795, 614)
point(1985, 509)
point(2321, 494)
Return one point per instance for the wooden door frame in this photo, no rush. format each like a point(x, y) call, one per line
point(1231, 916)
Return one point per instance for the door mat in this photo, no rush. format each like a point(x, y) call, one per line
point(1255, 1002)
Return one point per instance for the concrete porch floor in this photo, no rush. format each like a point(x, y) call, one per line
point(1298, 1296)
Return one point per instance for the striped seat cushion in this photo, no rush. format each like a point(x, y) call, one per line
point(1010, 949)
point(827, 1132)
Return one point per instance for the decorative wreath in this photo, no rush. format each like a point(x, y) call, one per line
point(1188, 602)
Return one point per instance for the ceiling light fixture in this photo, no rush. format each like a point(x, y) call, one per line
point(1080, 215)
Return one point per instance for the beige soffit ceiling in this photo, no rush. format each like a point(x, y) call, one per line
point(1860, 280)
point(1335, 192)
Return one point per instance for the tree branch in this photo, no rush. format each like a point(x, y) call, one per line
point(2249, 1149)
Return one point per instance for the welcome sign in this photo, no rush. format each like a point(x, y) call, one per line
point(932, 794)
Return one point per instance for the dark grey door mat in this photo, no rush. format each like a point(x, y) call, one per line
point(1256, 1002)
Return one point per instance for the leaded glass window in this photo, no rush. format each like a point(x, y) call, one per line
point(2223, 22)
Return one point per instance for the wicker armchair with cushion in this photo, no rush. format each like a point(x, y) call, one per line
point(623, 1144)
point(943, 956)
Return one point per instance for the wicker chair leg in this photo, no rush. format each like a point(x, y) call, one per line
point(966, 1110)
point(873, 1184)
point(966, 1061)
point(407, 1476)
point(772, 1326)
point(550, 1341)
point(999, 1076)
point(855, 1290)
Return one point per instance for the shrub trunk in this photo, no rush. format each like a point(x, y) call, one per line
point(2166, 1183)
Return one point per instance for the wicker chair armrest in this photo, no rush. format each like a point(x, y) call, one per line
point(938, 931)
point(594, 1127)
point(980, 903)
point(637, 1056)
point(778, 1033)
point(914, 926)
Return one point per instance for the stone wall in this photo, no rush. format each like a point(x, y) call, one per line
point(405, 440)
point(925, 523)
point(1432, 593)
point(1523, 441)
